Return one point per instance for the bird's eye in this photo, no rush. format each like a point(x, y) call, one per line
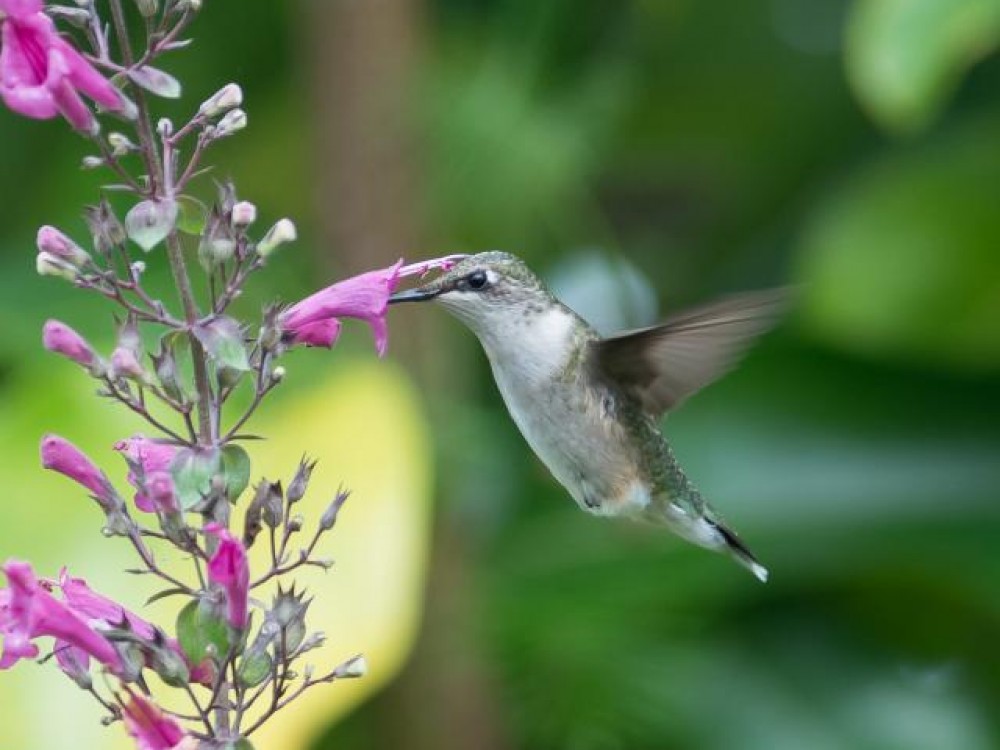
point(476, 280)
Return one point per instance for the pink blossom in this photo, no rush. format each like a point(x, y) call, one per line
point(42, 76)
point(50, 240)
point(365, 297)
point(62, 456)
point(28, 611)
point(99, 609)
point(154, 484)
point(60, 338)
point(229, 568)
point(149, 726)
point(125, 363)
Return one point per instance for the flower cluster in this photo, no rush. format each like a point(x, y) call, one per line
point(238, 659)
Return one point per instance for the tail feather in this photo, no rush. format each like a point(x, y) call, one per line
point(741, 553)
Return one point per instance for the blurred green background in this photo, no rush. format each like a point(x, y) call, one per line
point(642, 155)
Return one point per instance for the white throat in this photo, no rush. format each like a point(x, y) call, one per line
point(532, 347)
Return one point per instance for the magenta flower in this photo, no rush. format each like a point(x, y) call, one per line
point(50, 240)
point(229, 568)
point(28, 611)
point(60, 338)
point(42, 76)
point(98, 609)
point(153, 483)
point(149, 726)
point(314, 320)
point(62, 456)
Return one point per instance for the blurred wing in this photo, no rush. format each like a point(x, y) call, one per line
point(665, 364)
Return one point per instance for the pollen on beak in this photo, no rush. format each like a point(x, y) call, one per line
point(414, 295)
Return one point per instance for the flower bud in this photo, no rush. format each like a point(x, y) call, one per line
point(278, 374)
point(92, 162)
point(120, 144)
point(243, 214)
point(329, 517)
point(165, 127)
point(217, 243)
point(232, 122)
point(49, 265)
point(75, 663)
point(147, 8)
point(124, 364)
point(79, 17)
point(281, 233)
point(106, 229)
point(272, 509)
point(356, 667)
point(50, 240)
point(60, 338)
point(223, 100)
point(299, 483)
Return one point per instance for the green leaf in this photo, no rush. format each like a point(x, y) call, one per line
point(254, 668)
point(906, 57)
point(192, 471)
point(191, 215)
point(223, 340)
point(203, 632)
point(150, 222)
point(236, 468)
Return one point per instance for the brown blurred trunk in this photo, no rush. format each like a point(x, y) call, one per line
point(363, 56)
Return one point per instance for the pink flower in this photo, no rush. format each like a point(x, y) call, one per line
point(50, 240)
point(229, 568)
point(313, 321)
point(28, 611)
point(42, 76)
point(153, 483)
point(60, 338)
point(98, 609)
point(62, 456)
point(149, 726)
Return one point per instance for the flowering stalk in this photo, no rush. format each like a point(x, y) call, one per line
point(236, 660)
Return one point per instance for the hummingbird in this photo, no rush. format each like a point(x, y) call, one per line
point(590, 406)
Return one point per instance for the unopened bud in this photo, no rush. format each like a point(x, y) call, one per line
point(243, 214)
point(278, 374)
point(49, 265)
point(232, 122)
point(147, 8)
point(76, 16)
point(125, 364)
point(295, 523)
point(138, 268)
point(165, 127)
point(356, 667)
point(120, 144)
point(329, 517)
point(50, 240)
point(92, 162)
point(223, 100)
point(299, 483)
point(281, 233)
point(60, 338)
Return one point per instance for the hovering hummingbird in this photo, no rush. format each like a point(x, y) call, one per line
point(590, 406)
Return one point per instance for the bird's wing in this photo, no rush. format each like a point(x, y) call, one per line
point(664, 364)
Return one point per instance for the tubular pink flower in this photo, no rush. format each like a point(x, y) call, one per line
point(32, 612)
point(229, 568)
point(60, 338)
point(41, 75)
point(149, 726)
point(365, 297)
point(50, 240)
point(154, 485)
point(62, 456)
point(99, 609)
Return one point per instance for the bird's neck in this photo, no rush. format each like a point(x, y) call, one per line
point(533, 347)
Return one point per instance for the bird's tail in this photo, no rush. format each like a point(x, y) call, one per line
point(740, 552)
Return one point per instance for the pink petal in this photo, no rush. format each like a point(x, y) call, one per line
point(23, 72)
point(150, 727)
point(88, 80)
point(20, 8)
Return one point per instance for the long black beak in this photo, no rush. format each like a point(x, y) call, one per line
point(414, 295)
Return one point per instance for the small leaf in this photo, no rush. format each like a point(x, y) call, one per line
point(203, 632)
point(191, 215)
point(223, 340)
point(236, 468)
point(164, 594)
point(192, 472)
point(254, 668)
point(156, 81)
point(149, 222)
